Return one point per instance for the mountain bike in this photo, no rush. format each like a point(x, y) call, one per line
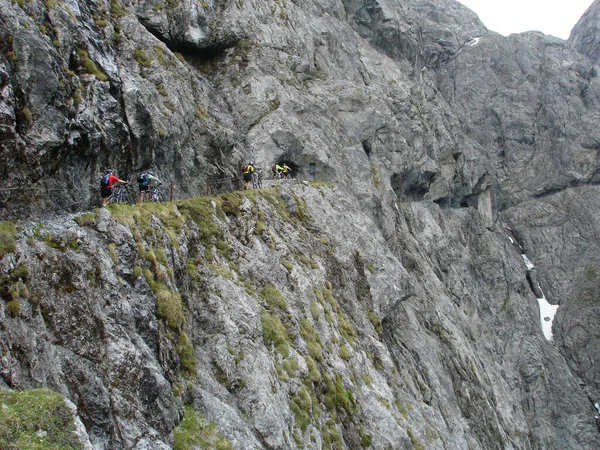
point(155, 195)
point(257, 179)
point(122, 194)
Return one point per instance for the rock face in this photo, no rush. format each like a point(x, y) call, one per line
point(385, 305)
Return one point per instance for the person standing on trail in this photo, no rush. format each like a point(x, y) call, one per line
point(106, 185)
point(144, 180)
point(287, 171)
point(278, 171)
point(247, 172)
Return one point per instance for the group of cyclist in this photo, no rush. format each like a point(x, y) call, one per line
point(144, 180)
point(147, 178)
point(279, 172)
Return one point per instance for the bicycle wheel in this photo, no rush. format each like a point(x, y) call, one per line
point(255, 181)
point(120, 195)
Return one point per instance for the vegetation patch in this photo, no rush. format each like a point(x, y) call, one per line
point(168, 303)
point(290, 365)
point(345, 353)
point(376, 321)
point(274, 333)
point(331, 436)
point(36, 419)
point(117, 9)
point(288, 265)
point(200, 210)
point(301, 406)
point(62, 243)
point(302, 210)
point(187, 358)
point(273, 297)
point(346, 329)
point(8, 238)
point(590, 273)
point(142, 57)
point(195, 432)
point(314, 311)
point(87, 220)
point(414, 440)
point(313, 371)
point(90, 66)
point(336, 396)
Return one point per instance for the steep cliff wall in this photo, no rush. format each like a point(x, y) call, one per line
point(387, 307)
point(288, 325)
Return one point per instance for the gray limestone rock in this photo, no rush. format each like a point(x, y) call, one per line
point(387, 304)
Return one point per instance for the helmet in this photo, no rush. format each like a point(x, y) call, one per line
point(109, 171)
point(150, 172)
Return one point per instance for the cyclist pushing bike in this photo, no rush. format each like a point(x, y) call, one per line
point(106, 185)
point(144, 180)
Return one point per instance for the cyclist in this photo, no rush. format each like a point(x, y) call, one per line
point(106, 185)
point(247, 171)
point(287, 171)
point(278, 171)
point(144, 180)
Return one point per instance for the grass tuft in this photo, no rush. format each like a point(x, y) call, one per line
point(24, 413)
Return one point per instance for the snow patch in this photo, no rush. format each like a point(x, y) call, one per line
point(547, 313)
point(547, 310)
point(528, 263)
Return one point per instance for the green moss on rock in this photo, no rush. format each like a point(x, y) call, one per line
point(24, 413)
point(195, 432)
point(8, 238)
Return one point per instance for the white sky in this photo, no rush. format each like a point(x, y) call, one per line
point(555, 17)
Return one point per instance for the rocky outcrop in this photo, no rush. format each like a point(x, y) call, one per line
point(584, 35)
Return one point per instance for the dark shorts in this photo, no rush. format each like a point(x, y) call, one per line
point(105, 192)
point(247, 177)
point(143, 187)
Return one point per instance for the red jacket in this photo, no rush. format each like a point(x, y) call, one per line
point(111, 180)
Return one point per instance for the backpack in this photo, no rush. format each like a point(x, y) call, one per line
point(143, 179)
point(104, 180)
